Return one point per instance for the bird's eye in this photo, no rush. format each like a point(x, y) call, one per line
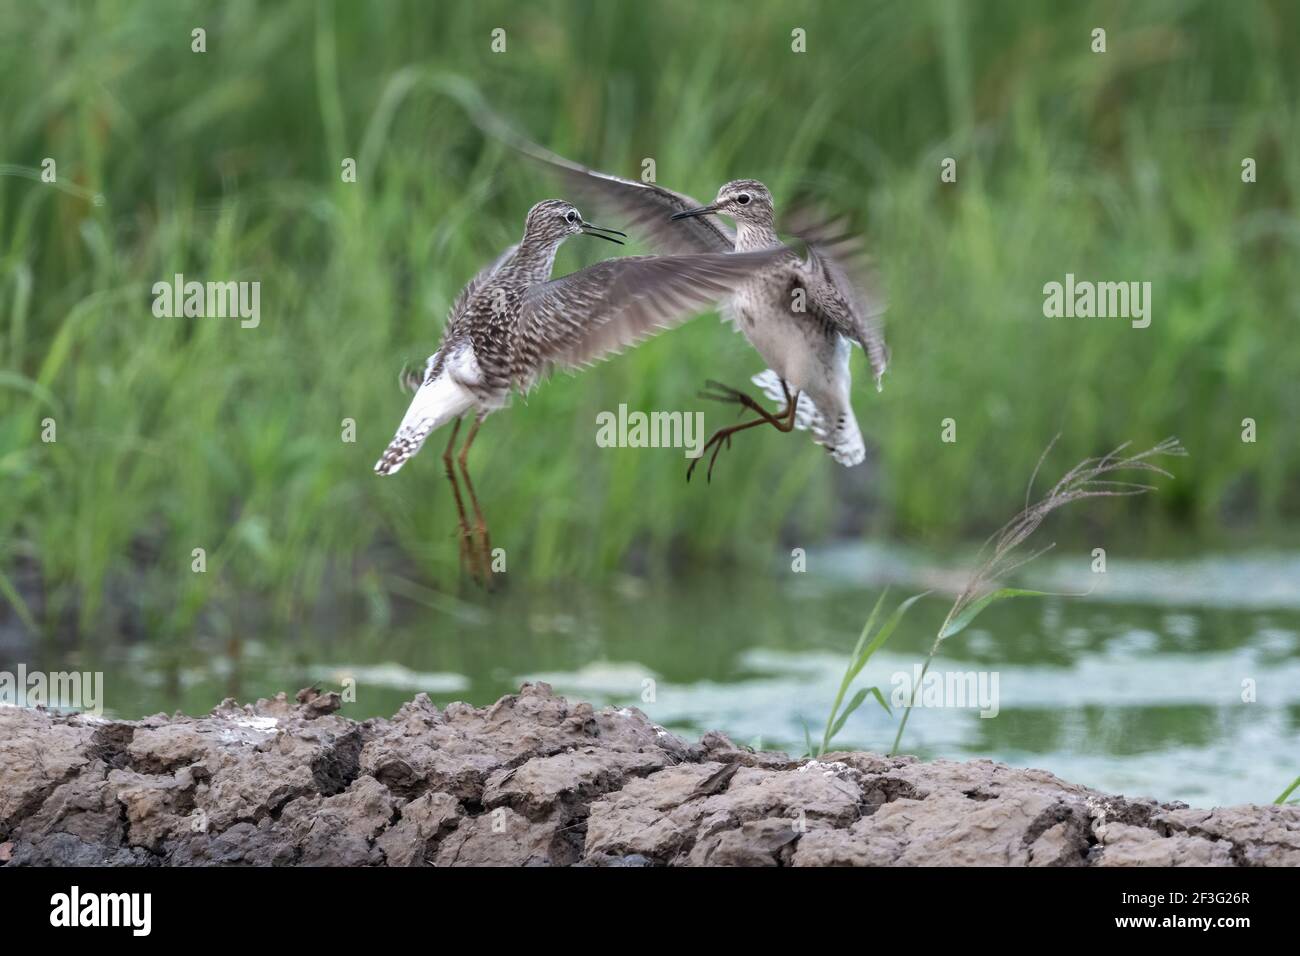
point(743, 199)
point(572, 216)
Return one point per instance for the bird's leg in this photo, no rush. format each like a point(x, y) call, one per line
point(481, 523)
point(784, 422)
point(791, 407)
point(467, 559)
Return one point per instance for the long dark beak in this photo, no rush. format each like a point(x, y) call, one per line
point(591, 229)
point(692, 213)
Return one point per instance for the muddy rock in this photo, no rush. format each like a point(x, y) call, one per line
point(536, 780)
point(421, 824)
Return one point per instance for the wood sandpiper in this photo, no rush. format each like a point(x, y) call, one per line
point(513, 324)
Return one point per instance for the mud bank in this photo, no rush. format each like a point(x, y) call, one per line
point(537, 780)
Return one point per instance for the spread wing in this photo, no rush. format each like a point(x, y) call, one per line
point(587, 315)
point(642, 209)
point(838, 290)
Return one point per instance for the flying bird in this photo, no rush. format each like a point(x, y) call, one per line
point(513, 324)
point(802, 314)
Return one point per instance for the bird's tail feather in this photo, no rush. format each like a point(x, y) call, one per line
point(842, 437)
point(844, 441)
point(435, 403)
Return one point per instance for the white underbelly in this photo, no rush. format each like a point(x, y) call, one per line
point(798, 352)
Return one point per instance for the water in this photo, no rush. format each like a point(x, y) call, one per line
point(1139, 688)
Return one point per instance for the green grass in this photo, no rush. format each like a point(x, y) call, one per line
point(869, 641)
point(1109, 476)
point(177, 434)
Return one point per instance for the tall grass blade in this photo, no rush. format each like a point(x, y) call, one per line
point(1003, 553)
point(963, 620)
point(854, 704)
point(867, 645)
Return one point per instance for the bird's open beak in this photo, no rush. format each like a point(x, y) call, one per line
point(692, 213)
point(591, 229)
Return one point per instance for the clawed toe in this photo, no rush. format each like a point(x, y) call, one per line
point(410, 378)
point(716, 442)
point(716, 391)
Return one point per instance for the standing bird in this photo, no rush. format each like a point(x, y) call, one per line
point(513, 324)
point(801, 314)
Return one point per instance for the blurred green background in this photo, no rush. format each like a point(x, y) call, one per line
point(182, 433)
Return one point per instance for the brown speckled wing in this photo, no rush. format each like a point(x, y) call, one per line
point(840, 289)
point(643, 210)
point(585, 316)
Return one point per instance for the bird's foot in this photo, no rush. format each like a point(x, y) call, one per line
point(482, 544)
point(722, 437)
point(411, 378)
point(470, 556)
point(716, 441)
point(717, 392)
